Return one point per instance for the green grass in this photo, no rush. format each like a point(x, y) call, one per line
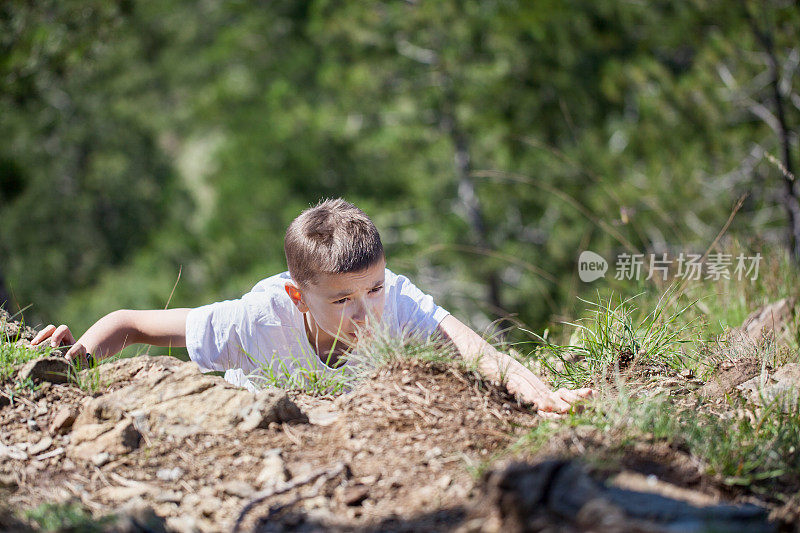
point(751, 447)
point(67, 516)
point(757, 449)
point(738, 443)
point(88, 378)
point(616, 335)
point(724, 304)
point(307, 373)
point(13, 355)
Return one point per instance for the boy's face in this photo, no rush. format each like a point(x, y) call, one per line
point(340, 304)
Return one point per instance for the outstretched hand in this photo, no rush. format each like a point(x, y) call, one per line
point(531, 389)
point(562, 400)
point(62, 336)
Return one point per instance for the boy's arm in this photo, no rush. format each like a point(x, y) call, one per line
point(501, 367)
point(119, 329)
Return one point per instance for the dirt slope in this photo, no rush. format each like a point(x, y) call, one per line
point(162, 444)
point(186, 445)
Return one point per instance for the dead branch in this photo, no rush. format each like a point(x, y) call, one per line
point(327, 473)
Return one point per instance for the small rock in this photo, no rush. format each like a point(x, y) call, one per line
point(91, 439)
point(12, 452)
point(191, 500)
point(169, 496)
point(8, 481)
point(183, 524)
point(63, 420)
point(243, 459)
point(206, 492)
point(355, 495)
point(238, 488)
point(771, 320)
point(273, 470)
point(324, 415)
point(444, 481)
point(209, 506)
point(32, 425)
point(686, 373)
point(121, 494)
point(52, 369)
point(42, 445)
point(170, 474)
point(42, 410)
point(101, 458)
point(138, 517)
point(270, 405)
point(369, 480)
point(782, 386)
point(433, 453)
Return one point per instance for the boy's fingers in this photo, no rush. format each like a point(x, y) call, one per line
point(554, 404)
point(549, 415)
point(568, 395)
point(42, 335)
point(77, 351)
point(60, 335)
point(575, 395)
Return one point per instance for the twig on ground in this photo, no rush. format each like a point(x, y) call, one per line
point(127, 482)
point(294, 438)
point(327, 473)
point(14, 397)
point(102, 476)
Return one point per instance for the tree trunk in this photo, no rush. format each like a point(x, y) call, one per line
point(790, 200)
point(5, 301)
point(466, 192)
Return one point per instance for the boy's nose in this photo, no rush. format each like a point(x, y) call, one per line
point(360, 319)
point(360, 314)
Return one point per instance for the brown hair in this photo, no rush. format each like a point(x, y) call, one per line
point(334, 237)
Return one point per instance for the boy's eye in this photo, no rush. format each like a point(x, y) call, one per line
point(377, 289)
point(343, 300)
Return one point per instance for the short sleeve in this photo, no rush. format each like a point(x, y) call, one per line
point(219, 336)
point(417, 313)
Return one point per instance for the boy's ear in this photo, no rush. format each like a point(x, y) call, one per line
point(296, 296)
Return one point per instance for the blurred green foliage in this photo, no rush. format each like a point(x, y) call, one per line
point(140, 139)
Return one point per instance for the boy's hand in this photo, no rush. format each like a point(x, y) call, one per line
point(499, 366)
point(559, 401)
point(62, 336)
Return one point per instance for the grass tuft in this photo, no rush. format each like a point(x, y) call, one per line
point(88, 378)
point(67, 516)
point(614, 337)
point(754, 447)
point(379, 348)
point(14, 353)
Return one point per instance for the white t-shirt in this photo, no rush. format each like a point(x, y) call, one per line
point(264, 333)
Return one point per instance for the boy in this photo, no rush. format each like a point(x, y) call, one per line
point(310, 316)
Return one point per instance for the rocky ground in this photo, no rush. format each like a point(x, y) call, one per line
point(419, 446)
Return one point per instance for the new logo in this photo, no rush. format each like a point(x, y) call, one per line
point(591, 266)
